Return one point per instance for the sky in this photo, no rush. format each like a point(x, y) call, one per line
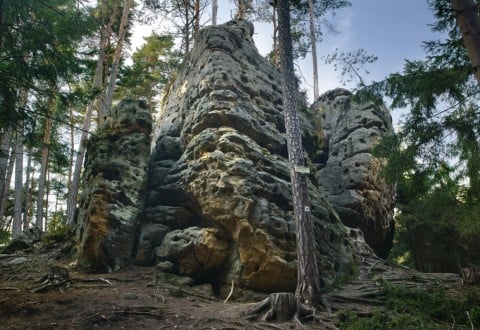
point(392, 30)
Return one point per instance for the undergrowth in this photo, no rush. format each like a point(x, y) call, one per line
point(408, 308)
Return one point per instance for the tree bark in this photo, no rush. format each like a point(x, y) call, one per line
point(44, 165)
point(468, 21)
point(18, 206)
point(97, 85)
point(313, 41)
point(107, 104)
point(214, 11)
point(105, 36)
point(196, 11)
point(308, 286)
point(8, 179)
point(4, 161)
point(27, 192)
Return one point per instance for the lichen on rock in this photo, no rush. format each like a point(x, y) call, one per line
point(114, 181)
point(219, 154)
point(350, 175)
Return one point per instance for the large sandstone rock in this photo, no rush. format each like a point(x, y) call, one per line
point(114, 181)
point(219, 166)
point(350, 176)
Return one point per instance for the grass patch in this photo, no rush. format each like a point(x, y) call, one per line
point(408, 308)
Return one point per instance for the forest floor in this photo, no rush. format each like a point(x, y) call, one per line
point(35, 293)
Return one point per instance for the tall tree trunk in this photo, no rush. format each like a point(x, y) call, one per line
point(214, 11)
point(4, 161)
point(97, 85)
point(116, 58)
point(72, 150)
point(27, 193)
point(313, 41)
point(275, 36)
point(187, 27)
point(44, 165)
point(468, 21)
point(8, 180)
point(47, 200)
point(18, 206)
point(196, 14)
point(105, 36)
point(308, 286)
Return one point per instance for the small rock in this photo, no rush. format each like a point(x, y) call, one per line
point(130, 296)
point(16, 261)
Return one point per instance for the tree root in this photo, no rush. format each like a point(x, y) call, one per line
point(282, 307)
point(60, 277)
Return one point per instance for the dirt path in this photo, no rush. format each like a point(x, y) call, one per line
point(136, 298)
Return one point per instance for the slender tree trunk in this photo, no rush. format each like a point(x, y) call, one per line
point(4, 161)
point(187, 27)
point(308, 286)
point(214, 11)
point(47, 200)
point(196, 13)
point(313, 41)
point(275, 35)
point(27, 192)
point(468, 21)
point(8, 180)
point(72, 150)
point(18, 206)
point(44, 165)
point(105, 36)
point(97, 84)
point(116, 58)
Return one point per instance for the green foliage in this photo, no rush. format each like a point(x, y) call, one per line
point(153, 66)
point(5, 237)
point(435, 157)
point(408, 308)
point(57, 229)
point(38, 48)
point(351, 64)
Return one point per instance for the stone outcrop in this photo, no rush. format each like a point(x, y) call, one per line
point(349, 174)
point(114, 180)
point(218, 202)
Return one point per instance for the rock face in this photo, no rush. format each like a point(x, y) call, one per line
point(115, 173)
point(218, 202)
point(350, 177)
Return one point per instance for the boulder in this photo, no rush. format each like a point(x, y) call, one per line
point(349, 174)
point(114, 180)
point(25, 240)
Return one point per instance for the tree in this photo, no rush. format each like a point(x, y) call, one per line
point(38, 48)
point(214, 11)
point(122, 30)
point(313, 41)
point(308, 286)
point(153, 66)
point(105, 31)
point(307, 293)
point(434, 157)
point(185, 15)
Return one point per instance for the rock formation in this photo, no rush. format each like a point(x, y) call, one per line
point(350, 175)
point(114, 180)
point(218, 200)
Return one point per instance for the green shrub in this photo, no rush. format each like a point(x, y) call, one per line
point(408, 308)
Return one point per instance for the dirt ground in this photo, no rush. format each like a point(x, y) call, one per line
point(129, 299)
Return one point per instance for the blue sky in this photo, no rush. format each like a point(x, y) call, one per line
point(393, 30)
